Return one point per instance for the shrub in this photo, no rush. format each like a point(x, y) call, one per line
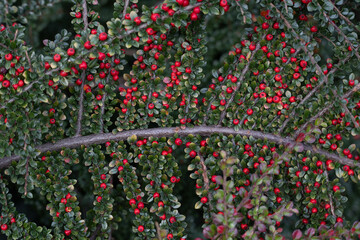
point(267, 138)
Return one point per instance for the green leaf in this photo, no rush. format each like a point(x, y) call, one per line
point(328, 6)
point(214, 11)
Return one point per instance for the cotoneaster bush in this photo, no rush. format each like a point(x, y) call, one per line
point(264, 140)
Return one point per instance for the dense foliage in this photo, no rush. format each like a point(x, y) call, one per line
point(97, 125)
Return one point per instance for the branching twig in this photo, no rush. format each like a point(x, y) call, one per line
point(342, 34)
point(346, 109)
point(324, 110)
point(238, 84)
point(313, 61)
point(345, 18)
point(214, 97)
point(27, 88)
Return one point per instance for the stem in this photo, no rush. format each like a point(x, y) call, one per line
point(81, 106)
point(225, 203)
point(29, 61)
point(26, 167)
point(96, 232)
point(206, 178)
point(330, 198)
point(158, 230)
point(85, 14)
point(242, 11)
point(125, 8)
point(103, 105)
point(75, 142)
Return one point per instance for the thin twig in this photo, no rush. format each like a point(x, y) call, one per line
point(225, 188)
point(26, 168)
point(206, 179)
point(328, 39)
point(102, 108)
point(242, 11)
point(96, 232)
point(15, 36)
point(85, 14)
point(29, 61)
point(81, 106)
point(328, 184)
point(158, 230)
point(75, 142)
point(125, 8)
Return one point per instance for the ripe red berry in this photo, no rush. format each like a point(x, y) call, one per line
point(57, 57)
point(87, 45)
point(313, 29)
point(4, 227)
point(70, 51)
point(8, 57)
point(67, 232)
point(336, 188)
point(140, 228)
point(192, 154)
point(333, 146)
point(103, 36)
point(78, 15)
point(6, 83)
point(204, 200)
point(172, 219)
point(178, 141)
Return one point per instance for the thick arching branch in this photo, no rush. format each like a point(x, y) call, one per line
point(101, 138)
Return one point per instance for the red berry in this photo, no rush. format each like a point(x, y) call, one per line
point(4, 227)
point(336, 188)
point(140, 228)
point(103, 36)
point(313, 29)
point(204, 200)
point(178, 141)
point(70, 51)
point(57, 57)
